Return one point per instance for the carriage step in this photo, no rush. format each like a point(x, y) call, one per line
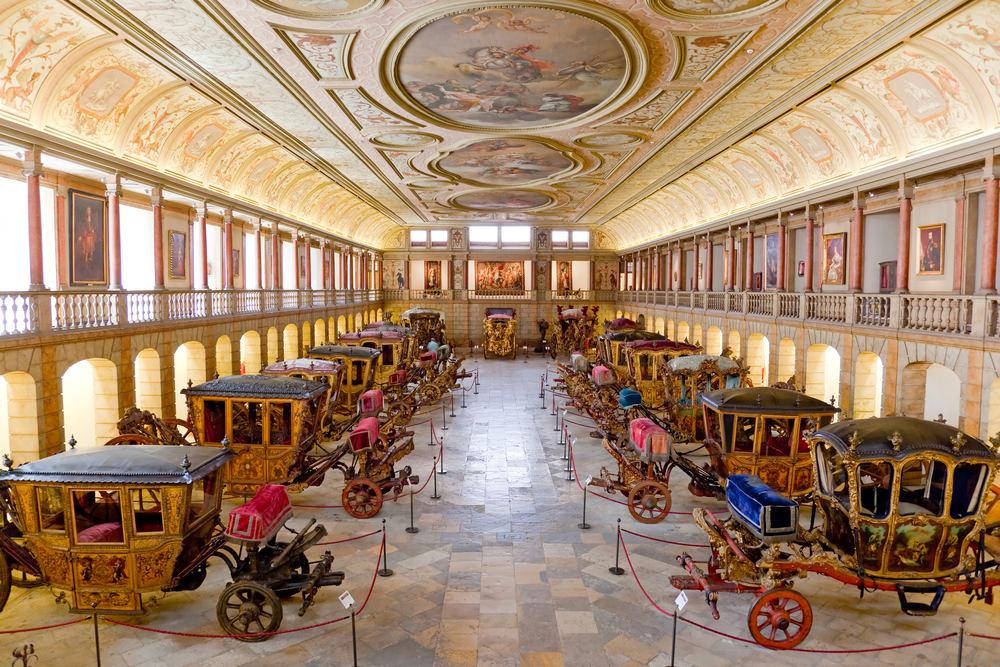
point(919, 608)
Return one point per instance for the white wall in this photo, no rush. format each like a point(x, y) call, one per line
point(581, 275)
point(758, 257)
point(49, 258)
point(214, 235)
point(289, 265)
point(137, 247)
point(4, 419)
point(417, 274)
point(176, 222)
point(881, 244)
point(718, 266)
point(933, 213)
point(78, 404)
point(797, 243)
point(15, 276)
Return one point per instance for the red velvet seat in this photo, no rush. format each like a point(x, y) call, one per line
point(602, 376)
point(364, 435)
point(370, 402)
point(102, 532)
point(650, 440)
point(260, 518)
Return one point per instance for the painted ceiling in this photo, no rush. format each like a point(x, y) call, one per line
point(638, 117)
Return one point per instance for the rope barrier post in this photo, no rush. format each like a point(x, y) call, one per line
point(541, 394)
point(354, 636)
point(477, 377)
point(475, 384)
point(452, 406)
point(385, 571)
point(583, 525)
point(554, 413)
point(673, 638)
point(412, 529)
point(431, 435)
point(444, 422)
point(442, 471)
point(562, 431)
point(569, 464)
point(436, 496)
point(565, 442)
point(97, 634)
point(463, 397)
point(617, 570)
point(961, 638)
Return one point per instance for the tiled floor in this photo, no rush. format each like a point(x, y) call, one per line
point(499, 575)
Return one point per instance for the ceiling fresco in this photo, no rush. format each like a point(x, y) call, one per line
point(639, 118)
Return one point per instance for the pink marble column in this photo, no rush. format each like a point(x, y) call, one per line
point(991, 212)
point(857, 242)
point(749, 271)
point(202, 224)
point(156, 203)
point(903, 239)
point(959, 243)
point(782, 261)
point(730, 261)
point(33, 172)
point(295, 257)
point(807, 283)
point(333, 267)
point(227, 249)
point(275, 257)
point(258, 253)
point(114, 191)
point(709, 265)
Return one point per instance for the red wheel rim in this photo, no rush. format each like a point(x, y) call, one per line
point(780, 619)
point(362, 498)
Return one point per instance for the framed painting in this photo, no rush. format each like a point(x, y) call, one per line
point(88, 229)
point(302, 266)
point(834, 246)
point(802, 268)
point(236, 263)
point(771, 261)
point(499, 276)
point(432, 274)
point(930, 250)
point(178, 255)
point(564, 276)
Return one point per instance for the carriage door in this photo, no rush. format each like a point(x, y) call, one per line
point(280, 440)
point(919, 531)
point(773, 462)
point(247, 437)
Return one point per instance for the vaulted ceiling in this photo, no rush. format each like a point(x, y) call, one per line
point(637, 117)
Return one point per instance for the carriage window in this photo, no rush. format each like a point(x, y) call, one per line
point(644, 373)
point(967, 489)
point(203, 495)
point(280, 424)
point(98, 516)
point(358, 374)
point(215, 421)
point(875, 488)
point(742, 433)
point(832, 474)
point(147, 510)
point(922, 487)
point(388, 359)
point(777, 437)
point(307, 420)
point(710, 423)
point(248, 422)
point(51, 516)
point(621, 355)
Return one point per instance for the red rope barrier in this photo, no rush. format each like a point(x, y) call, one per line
point(656, 539)
point(750, 641)
point(973, 634)
point(46, 627)
point(349, 539)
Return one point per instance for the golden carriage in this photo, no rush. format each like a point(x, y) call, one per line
point(397, 349)
point(611, 350)
point(687, 376)
point(643, 362)
point(574, 329)
point(500, 332)
point(426, 324)
point(360, 363)
point(330, 373)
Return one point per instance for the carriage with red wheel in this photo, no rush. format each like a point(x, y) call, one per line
point(105, 526)
point(900, 505)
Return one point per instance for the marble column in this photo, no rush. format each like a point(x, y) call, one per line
point(807, 282)
point(749, 271)
point(114, 192)
point(309, 271)
point(903, 240)
point(782, 257)
point(991, 212)
point(295, 258)
point(202, 225)
point(258, 253)
point(276, 282)
point(227, 249)
point(33, 172)
point(709, 265)
point(730, 261)
point(333, 267)
point(959, 243)
point(856, 243)
point(156, 203)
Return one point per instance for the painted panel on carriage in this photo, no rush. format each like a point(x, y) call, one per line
point(914, 547)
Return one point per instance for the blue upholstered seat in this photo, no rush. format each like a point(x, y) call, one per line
point(760, 509)
point(629, 398)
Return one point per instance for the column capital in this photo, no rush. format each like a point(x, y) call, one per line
point(227, 216)
point(906, 186)
point(256, 224)
point(201, 209)
point(858, 202)
point(156, 196)
point(991, 172)
point(32, 162)
point(274, 228)
point(113, 185)
point(810, 213)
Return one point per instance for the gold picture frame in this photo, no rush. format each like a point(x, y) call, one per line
point(930, 250)
point(177, 255)
point(834, 259)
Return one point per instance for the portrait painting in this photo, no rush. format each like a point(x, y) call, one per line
point(802, 268)
point(236, 263)
point(511, 66)
point(930, 250)
point(499, 276)
point(432, 275)
point(302, 265)
point(564, 276)
point(178, 255)
point(89, 236)
point(771, 261)
point(834, 247)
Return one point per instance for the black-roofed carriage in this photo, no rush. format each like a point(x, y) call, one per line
point(500, 332)
point(899, 506)
point(360, 364)
point(644, 363)
point(105, 526)
point(397, 349)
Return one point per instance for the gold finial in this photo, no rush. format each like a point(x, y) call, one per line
point(957, 441)
point(896, 440)
point(995, 441)
point(854, 440)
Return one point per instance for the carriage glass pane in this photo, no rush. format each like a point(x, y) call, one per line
point(776, 439)
point(147, 510)
point(727, 423)
point(875, 488)
point(51, 515)
point(644, 372)
point(98, 516)
point(215, 421)
point(248, 423)
point(203, 495)
point(967, 489)
point(280, 424)
point(358, 373)
point(388, 356)
point(832, 474)
point(922, 488)
point(307, 420)
point(743, 434)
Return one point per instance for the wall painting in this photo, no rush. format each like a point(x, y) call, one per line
point(930, 250)
point(499, 276)
point(89, 233)
point(834, 246)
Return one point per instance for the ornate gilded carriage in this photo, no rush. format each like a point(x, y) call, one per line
point(574, 329)
point(500, 332)
point(360, 363)
point(396, 348)
point(761, 431)
point(427, 324)
point(902, 507)
point(687, 376)
point(271, 422)
point(330, 373)
point(643, 361)
point(611, 353)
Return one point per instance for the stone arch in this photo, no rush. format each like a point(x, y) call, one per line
point(930, 389)
point(357, 322)
point(190, 364)
point(628, 316)
point(250, 353)
point(272, 345)
point(683, 331)
point(659, 325)
point(291, 340)
point(371, 316)
point(993, 415)
point(670, 330)
point(869, 374)
point(90, 401)
point(378, 315)
point(640, 321)
point(223, 356)
point(696, 335)
point(618, 315)
point(786, 359)
point(758, 358)
point(331, 328)
point(823, 366)
point(341, 326)
point(148, 386)
point(319, 332)
point(306, 339)
point(734, 342)
point(19, 435)
point(713, 341)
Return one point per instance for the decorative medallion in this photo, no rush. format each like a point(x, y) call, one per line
point(526, 66)
point(325, 54)
point(404, 139)
point(321, 9)
point(710, 9)
point(511, 161)
point(609, 140)
point(502, 200)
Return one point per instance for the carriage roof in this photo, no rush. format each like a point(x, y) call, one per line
point(388, 326)
point(381, 335)
point(766, 400)
point(693, 362)
point(621, 324)
point(626, 336)
point(659, 346)
point(303, 366)
point(352, 351)
point(418, 313)
point(258, 386)
point(500, 313)
point(130, 464)
point(874, 439)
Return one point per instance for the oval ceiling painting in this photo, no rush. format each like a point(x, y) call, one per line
point(511, 67)
point(501, 200)
point(709, 8)
point(512, 161)
point(321, 9)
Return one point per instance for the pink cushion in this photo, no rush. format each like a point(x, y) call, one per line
point(651, 441)
point(365, 434)
point(602, 376)
point(370, 402)
point(398, 377)
point(428, 356)
point(102, 532)
point(260, 518)
point(572, 314)
point(500, 317)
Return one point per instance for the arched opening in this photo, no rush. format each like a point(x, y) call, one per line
point(341, 326)
point(640, 320)
point(189, 365)
point(250, 353)
point(618, 315)
point(670, 330)
point(823, 373)
point(931, 391)
point(696, 337)
point(868, 377)
point(734, 343)
point(713, 341)
point(659, 325)
point(371, 316)
point(90, 402)
point(993, 418)
point(319, 332)
point(223, 356)
point(331, 327)
point(272, 346)
point(291, 339)
point(148, 389)
point(758, 358)
point(683, 332)
point(357, 322)
point(378, 315)
point(19, 418)
point(786, 360)
point(306, 339)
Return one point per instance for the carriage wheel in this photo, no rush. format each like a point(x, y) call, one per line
point(362, 498)
point(130, 439)
point(780, 619)
point(4, 581)
point(432, 394)
point(649, 501)
point(184, 429)
point(247, 607)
